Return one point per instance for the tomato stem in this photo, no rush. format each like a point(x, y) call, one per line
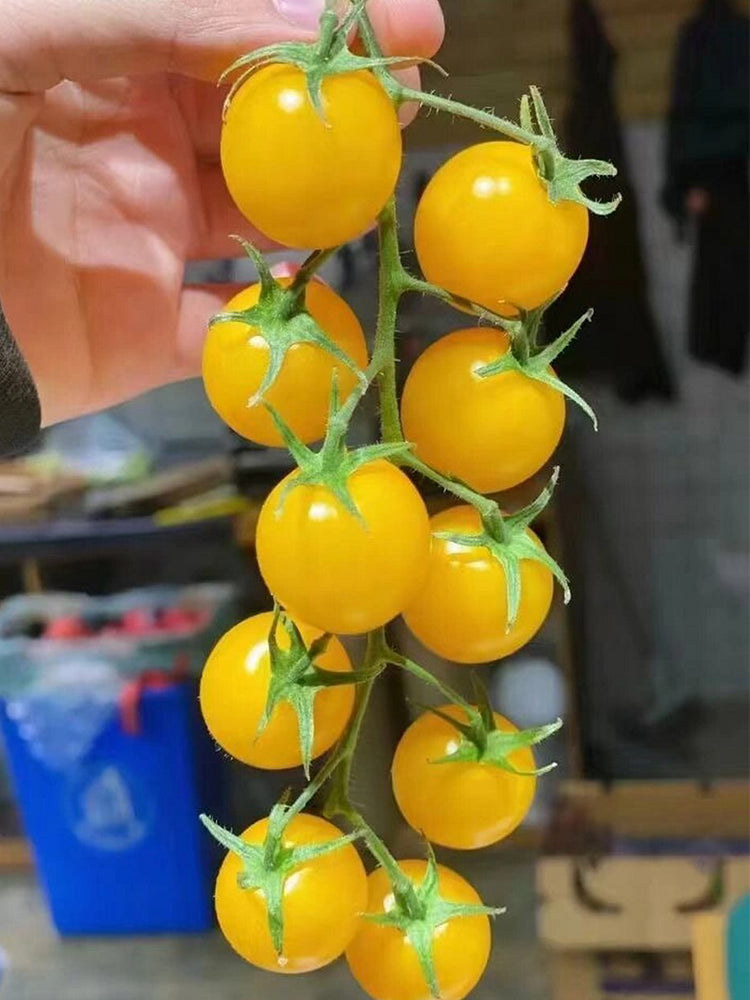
point(561, 177)
point(337, 800)
point(402, 94)
point(391, 286)
point(310, 267)
point(394, 281)
point(429, 678)
point(329, 23)
point(338, 768)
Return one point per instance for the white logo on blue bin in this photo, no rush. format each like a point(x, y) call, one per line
point(109, 810)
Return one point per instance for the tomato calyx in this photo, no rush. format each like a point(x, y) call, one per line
point(506, 538)
point(267, 866)
point(561, 176)
point(525, 358)
point(282, 320)
point(330, 55)
point(482, 742)
point(419, 910)
point(297, 679)
point(334, 463)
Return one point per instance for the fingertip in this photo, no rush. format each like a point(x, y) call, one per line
point(408, 27)
point(409, 77)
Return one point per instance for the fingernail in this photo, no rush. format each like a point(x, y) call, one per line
point(288, 269)
point(301, 13)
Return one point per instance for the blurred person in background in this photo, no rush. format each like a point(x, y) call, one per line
point(707, 177)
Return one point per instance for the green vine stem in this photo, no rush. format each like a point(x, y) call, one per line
point(394, 281)
point(391, 286)
point(309, 267)
point(404, 94)
point(561, 176)
point(339, 766)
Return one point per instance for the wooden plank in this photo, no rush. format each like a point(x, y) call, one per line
point(666, 808)
point(709, 957)
point(163, 488)
point(575, 977)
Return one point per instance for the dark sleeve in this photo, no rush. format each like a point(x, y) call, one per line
point(20, 413)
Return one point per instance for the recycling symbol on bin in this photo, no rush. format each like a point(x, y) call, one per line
point(108, 809)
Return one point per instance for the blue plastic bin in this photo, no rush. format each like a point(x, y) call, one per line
point(117, 840)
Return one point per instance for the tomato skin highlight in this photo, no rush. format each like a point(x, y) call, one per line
point(384, 962)
point(234, 687)
point(463, 805)
point(493, 433)
point(331, 569)
point(486, 230)
point(235, 360)
point(322, 901)
point(304, 180)
point(461, 611)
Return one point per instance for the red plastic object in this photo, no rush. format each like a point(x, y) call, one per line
point(150, 680)
point(66, 627)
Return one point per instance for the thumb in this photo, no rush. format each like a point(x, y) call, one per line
point(46, 41)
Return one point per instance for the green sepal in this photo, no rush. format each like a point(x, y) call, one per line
point(525, 517)
point(297, 680)
point(483, 703)
point(496, 747)
point(481, 740)
point(424, 913)
point(561, 176)
point(332, 465)
point(506, 540)
point(520, 359)
point(266, 866)
point(328, 56)
point(472, 730)
point(337, 678)
point(282, 320)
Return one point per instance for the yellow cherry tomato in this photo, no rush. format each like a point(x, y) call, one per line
point(463, 805)
point(234, 689)
point(303, 179)
point(461, 611)
point(486, 230)
point(383, 959)
point(235, 360)
point(342, 573)
point(492, 432)
point(322, 901)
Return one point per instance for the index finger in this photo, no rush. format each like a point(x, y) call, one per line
point(84, 40)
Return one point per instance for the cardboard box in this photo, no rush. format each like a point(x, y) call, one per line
point(587, 976)
point(644, 885)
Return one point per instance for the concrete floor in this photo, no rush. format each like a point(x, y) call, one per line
point(41, 967)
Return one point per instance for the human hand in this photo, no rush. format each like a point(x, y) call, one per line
point(697, 202)
point(110, 178)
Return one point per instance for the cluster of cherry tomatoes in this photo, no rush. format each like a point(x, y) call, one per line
point(487, 232)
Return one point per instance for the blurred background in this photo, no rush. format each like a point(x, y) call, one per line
point(126, 549)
